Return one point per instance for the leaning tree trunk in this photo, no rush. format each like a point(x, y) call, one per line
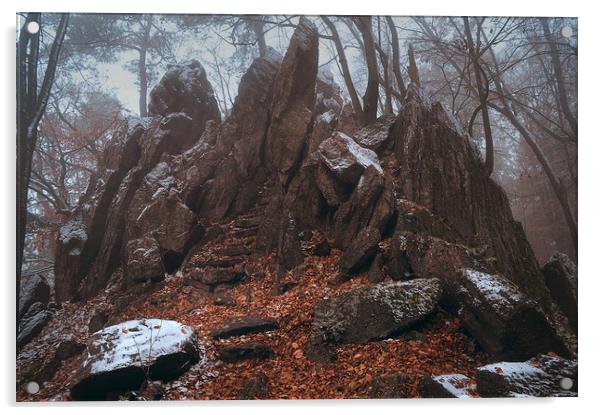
point(364, 24)
point(557, 67)
point(355, 101)
point(142, 74)
point(483, 92)
point(31, 108)
point(257, 27)
point(396, 65)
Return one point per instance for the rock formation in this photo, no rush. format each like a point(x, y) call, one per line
point(405, 198)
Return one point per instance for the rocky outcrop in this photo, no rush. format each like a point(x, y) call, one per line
point(184, 88)
point(560, 274)
point(438, 167)
point(123, 356)
point(94, 240)
point(160, 180)
point(542, 376)
point(374, 313)
point(293, 102)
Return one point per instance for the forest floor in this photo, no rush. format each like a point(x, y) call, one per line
point(438, 347)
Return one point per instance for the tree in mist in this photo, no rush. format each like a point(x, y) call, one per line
point(107, 36)
point(509, 49)
point(32, 100)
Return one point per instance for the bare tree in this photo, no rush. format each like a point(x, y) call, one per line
point(31, 105)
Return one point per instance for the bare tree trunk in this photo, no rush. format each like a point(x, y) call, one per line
point(257, 26)
point(483, 92)
point(364, 24)
point(142, 74)
point(412, 68)
point(355, 102)
point(558, 75)
point(396, 65)
point(31, 108)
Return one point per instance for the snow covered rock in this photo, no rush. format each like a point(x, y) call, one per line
point(560, 274)
point(503, 320)
point(123, 356)
point(447, 386)
point(372, 313)
point(347, 159)
point(542, 376)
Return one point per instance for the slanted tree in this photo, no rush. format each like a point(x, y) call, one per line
point(482, 84)
point(32, 100)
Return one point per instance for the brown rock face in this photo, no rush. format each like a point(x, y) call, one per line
point(440, 169)
point(185, 88)
point(92, 244)
point(294, 96)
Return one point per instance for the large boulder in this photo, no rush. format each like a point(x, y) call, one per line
point(542, 376)
point(293, 102)
point(505, 322)
point(185, 88)
point(346, 159)
point(373, 313)
point(123, 356)
point(561, 279)
point(34, 289)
